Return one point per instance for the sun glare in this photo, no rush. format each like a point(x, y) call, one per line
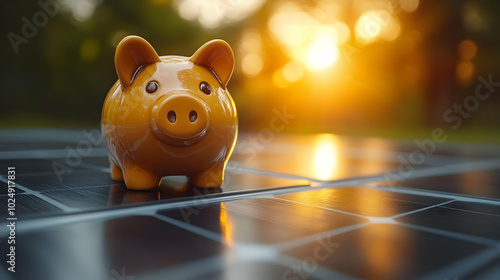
point(368, 27)
point(322, 53)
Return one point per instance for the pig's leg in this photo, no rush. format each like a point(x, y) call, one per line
point(137, 178)
point(116, 172)
point(212, 178)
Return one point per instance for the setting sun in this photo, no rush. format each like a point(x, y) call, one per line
point(322, 52)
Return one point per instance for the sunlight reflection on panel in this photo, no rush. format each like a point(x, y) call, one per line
point(476, 179)
point(382, 243)
point(226, 225)
point(326, 157)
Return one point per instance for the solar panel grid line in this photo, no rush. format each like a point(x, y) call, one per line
point(407, 190)
point(262, 172)
point(420, 172)
point(396, 156)
point(39, 223)
point(462, 268)
point(486, 272)
point(341, 230)
point(322, 207)
point(295, 243)
point(343, 211)
point(422, 209)
point(402, 190)
point(242, 252)
point(79, 188)
point(450, 167)
point(49, 200)
point(469, 211)
point(454, 168)
point(192, 228)
point(398, 145)
point(288, 191)
point(461, 236)
point(286, 245)
point(467, 237)
point(47, 154)
point(243, 169)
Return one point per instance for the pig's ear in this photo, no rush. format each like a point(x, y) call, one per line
point(218, 57)
point(131, 53)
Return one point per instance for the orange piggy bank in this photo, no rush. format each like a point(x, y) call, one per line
point(170, 115)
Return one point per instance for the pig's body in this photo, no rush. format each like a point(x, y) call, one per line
point(177, 129)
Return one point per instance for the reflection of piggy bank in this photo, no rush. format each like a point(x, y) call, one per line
point(170, 115)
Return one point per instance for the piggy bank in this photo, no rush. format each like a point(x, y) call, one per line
point(170, 115)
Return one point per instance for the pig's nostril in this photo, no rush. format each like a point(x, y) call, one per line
point(171, 116)
point(193, 116)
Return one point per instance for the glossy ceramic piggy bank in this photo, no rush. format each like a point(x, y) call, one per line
point(170, 115)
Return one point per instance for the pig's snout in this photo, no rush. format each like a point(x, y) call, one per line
point(180, 119)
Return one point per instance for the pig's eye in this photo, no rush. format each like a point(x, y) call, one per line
point(205, 87)
point(152, 87)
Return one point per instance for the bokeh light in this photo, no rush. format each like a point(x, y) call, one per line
point(465, 71)
point(252, 64)
point(293, 71)
point(467, 49)
point(80, 9)
point(372, 25)
point(250, 51)
point(337, 65)
point(409, 5)
point(212, 14)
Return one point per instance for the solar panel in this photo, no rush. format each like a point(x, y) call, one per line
point(294, 207)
